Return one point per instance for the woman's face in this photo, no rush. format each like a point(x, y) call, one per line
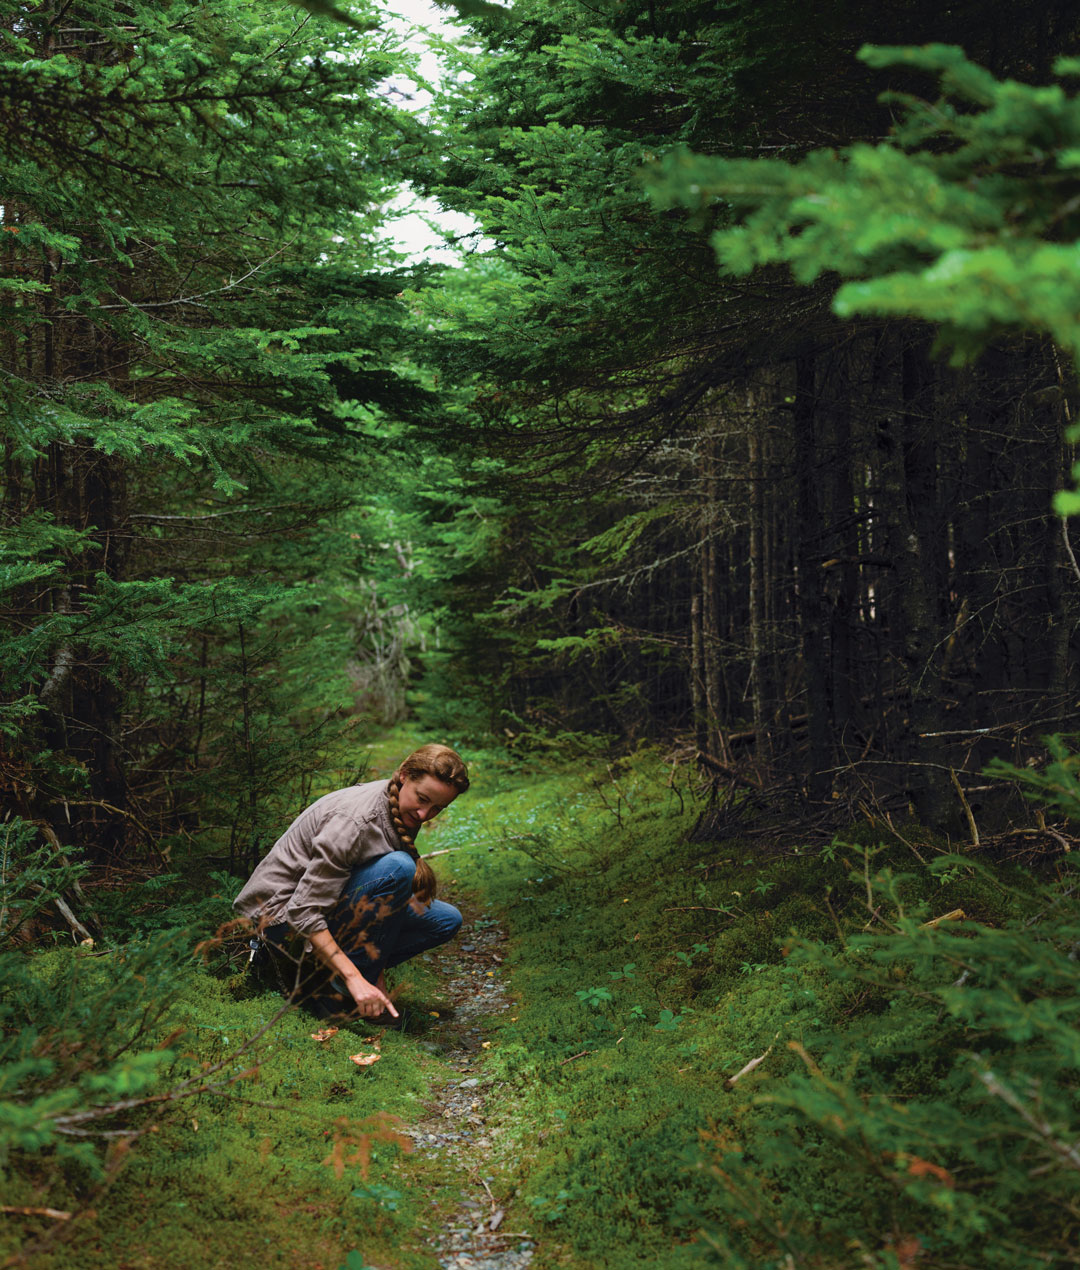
point(421, 798)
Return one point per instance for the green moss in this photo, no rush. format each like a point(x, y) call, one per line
point(244, 1176)
point(648, 972)
point(652, 970)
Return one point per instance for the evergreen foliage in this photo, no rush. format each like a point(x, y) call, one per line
point(31, 876)
point(82, 1039)
point(252, 468)
point(721, 511)
point(202, 335)
point(964, 217)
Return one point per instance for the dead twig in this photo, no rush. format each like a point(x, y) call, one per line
point(674, 788)
point(1053, 833)
point(967, 809)
point(1067, 1153)
point(725, 770)
point(57, 1214)
point(754, 1062)
point(700, 908)
point(954, 915)
point(910, 845)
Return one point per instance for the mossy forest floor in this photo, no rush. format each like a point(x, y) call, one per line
point(615, 1064)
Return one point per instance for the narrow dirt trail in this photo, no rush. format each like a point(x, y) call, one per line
point(458, 1124)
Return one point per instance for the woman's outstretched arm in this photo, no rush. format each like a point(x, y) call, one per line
point(369, 999)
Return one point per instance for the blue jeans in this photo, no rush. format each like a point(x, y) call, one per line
point(374, 926)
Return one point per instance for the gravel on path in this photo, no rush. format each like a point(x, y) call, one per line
point(456, 1125)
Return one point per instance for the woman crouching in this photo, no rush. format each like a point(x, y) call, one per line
point(346, 878)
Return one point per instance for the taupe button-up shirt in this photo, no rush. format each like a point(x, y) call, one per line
point(301, 877)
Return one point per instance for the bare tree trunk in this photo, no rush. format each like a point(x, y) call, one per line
point(697, 671)
point(843, 579)
point(710, 605)
point(810, 535)
point(86, 490)
point(979, 567)
point(911, 492)
point(759, 645)
point(249, 857)
point(1056, 580)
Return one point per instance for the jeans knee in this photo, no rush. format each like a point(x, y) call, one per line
point(448, 919)
point(376, 884)
point(398, 865)
point(394, 880)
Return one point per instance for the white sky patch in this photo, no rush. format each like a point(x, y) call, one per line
point(420, 225)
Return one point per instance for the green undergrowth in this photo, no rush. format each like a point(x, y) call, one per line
point(166, 1103)
point(741, 1054)
point(149, 1093)
point(912, 1097)
point(271, 1149)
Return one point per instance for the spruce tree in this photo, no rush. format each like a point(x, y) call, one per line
point(200, 328)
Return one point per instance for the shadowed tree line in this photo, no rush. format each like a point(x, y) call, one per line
point(252, 467)
point(201, 335)
point(816, 545)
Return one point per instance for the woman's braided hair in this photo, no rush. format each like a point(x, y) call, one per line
point(445, 765)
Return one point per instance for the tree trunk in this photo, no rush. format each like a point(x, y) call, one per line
point(759, 643)
point(810, 534)
point(710, 606)
point(978, 537)
point(911, 492)
point(1056, 578)
point(697, 671)
point(843, 580)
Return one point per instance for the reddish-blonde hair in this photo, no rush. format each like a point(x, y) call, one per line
point(445, 765)
point(439, 761)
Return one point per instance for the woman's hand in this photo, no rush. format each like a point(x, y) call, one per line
point(370, 1001)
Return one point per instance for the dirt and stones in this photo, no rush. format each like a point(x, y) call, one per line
point(458, 1125)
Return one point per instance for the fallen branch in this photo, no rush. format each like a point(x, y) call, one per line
point(967, 810)
point(57, 1214)
point(573, 1056)
point(730, 772)
point(1053, 833)
point(893, 829)
point(494, 1206)
point(699, 908)
point(49, 835)
point(754, 1062)
point(1069, 547)
point(954, 915)
point(65, 911)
